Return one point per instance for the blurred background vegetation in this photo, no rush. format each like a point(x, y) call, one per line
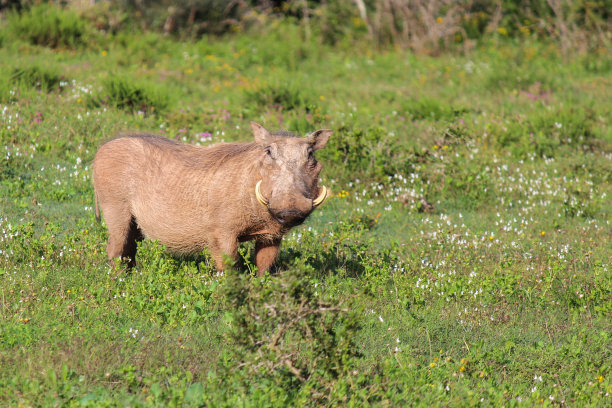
point(423, 26)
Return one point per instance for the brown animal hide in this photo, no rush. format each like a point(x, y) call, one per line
point(190, 197)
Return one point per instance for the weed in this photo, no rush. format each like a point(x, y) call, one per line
point(429, 108)
point(371, 154)
point(49, 26)
point(283, 331)
point(281, 95)
point(36, 77)
point(546, 132)
point(124, 93)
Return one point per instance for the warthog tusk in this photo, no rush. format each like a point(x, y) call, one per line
point(262, 200)
point(321, 198)
point(315, 203)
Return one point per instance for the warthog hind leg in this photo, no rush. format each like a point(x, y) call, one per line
point(130, 246)
point(123, 234)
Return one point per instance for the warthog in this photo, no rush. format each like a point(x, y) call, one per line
point(190, 197)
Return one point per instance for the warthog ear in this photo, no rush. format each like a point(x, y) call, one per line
point(260, 133)
point(319, 138)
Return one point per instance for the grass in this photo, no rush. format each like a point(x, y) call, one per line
point(49, 26)
point(125, 93)
point(499, 294)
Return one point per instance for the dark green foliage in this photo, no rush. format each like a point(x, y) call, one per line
point(600, 63)
point(36, 77)
point(283, 331)
point(281, 95)
point(429, 108)
point(370, 154)
point(7, 91)
point(49, 26)
point(545, 133)
point(521, 77)
point(125, 93)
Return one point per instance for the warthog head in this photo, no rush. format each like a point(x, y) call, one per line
point(289, 175)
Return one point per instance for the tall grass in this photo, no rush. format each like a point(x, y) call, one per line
point(49, 26)
point(123, 92)
point(36, 77)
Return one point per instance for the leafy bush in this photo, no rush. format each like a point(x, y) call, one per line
point(543, 133)
point(429, 108)
point(600, 63)
point(521, 77)
point(371, 153)
point(18, 81)
point(36, 77)
point(285, 333)
point(7, 94)
point(124, 93)
point(285, 95)
point(49, 26)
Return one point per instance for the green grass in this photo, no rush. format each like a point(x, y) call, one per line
point(49, 26)
point(125, 93)
point(501, 295)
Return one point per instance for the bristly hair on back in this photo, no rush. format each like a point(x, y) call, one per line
point(284, 133)
point(195, 156)
point(210, 158)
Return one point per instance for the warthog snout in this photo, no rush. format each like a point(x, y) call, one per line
point(290, 217)
point(191, 197)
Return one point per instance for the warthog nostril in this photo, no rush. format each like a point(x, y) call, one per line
point(290, 217)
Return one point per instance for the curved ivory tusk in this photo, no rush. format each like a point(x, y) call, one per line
point(262, 200)
point(321, 198)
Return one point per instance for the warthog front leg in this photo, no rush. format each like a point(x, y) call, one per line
point(265, 254)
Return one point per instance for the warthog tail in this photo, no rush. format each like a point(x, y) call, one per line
point(97, 209)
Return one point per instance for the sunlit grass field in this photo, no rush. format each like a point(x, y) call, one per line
point(463, 260)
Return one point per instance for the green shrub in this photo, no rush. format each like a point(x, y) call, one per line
point(49, 26)
point(36, 77)
point(372, 153)
point(429, 108)
point(520, 79)
point(285, 95)
point(287, 335)
point(599, 63)
point(545, 132)
point(7, 93)
point(126, 94)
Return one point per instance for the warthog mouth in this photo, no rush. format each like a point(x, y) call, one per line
point(323, 194)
